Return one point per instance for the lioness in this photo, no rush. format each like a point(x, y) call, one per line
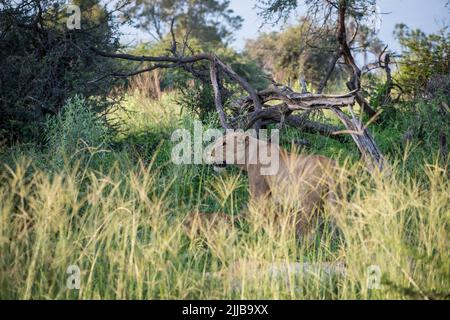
point(300, 184)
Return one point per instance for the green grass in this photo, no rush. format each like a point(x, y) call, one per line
point(117, 211)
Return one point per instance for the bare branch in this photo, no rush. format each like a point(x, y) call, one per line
point(355, 82)
point(217, 97)
point(330, 70)
point(255, 101)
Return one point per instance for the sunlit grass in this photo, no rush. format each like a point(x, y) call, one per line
point(123, 223)
point(127, 237)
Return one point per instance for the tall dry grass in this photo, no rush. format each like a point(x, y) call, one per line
point(119, 213)
point(126, 234)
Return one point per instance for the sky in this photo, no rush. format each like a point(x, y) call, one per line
point(427, 15)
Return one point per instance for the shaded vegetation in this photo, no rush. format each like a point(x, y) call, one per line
point(86, 184)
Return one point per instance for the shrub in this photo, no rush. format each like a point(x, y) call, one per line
point(423, 57)
point(197, 98)
point(43, 63)
point(77, 133)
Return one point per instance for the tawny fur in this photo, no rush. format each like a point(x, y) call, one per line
point(301, 184)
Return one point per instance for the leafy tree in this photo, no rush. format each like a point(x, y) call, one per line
point(43, 62)
point(423, 57)
point(366, 42)
point(276, 10)
point(196, 92)
point(210, 21)
point(293, 53)
point(339, 15)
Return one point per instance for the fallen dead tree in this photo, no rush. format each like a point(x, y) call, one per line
point(257, 107)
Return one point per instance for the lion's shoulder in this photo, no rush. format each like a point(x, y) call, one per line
point(301, 164)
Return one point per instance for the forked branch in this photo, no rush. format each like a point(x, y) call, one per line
point(256, 106)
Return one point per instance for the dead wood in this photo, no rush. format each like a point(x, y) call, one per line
point(257, 107)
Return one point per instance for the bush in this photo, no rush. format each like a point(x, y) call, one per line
point(43, 62)
point(76, 134)
point(198, 99)
point(423, 57)
point(415, 128)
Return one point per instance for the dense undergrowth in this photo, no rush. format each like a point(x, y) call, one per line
point(115, 206)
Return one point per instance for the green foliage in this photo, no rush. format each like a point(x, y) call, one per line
point(43, 62)
point(377, 95)
point(211, 21)
point(77, 134)
point(423, 57)
point(121, 224)
point(300, 50)
point(197, 95)
point(275, 10)
point(413, 128)
point(280, 10)
point(115, 204)
point(198, 99)
point(244, 65)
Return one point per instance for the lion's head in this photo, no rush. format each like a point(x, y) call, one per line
point(231, 149)
point(243, 149)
